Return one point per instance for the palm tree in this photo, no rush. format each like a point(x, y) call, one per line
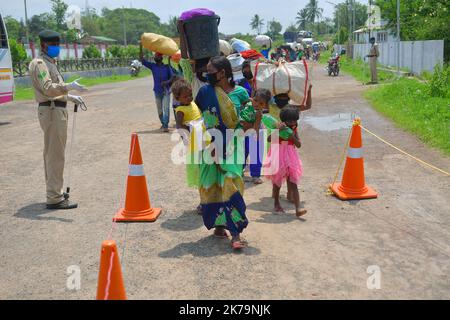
point(302, 18)
point(314, 11)
point(257, 23)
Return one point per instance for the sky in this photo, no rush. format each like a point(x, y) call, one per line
point(235, 14)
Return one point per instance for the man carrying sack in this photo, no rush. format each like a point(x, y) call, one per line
point(373, 56)
point(51, 93)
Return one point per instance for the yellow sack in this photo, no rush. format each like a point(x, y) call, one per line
point(158, 43)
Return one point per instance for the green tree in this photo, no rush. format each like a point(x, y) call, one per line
point(16, 29)
point(291, 28)
point(274, 29)
point(314, 12)
point(59, 8)
point(171, 27)
point(136, 22)
point(419, 19)
point(302, 18)
point(40, 22)
point(70, 36)
point(257, 23)
point(91, 22)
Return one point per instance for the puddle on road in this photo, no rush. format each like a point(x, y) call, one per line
point(330, 123)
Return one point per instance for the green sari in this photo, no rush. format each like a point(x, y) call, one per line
point(221, 178)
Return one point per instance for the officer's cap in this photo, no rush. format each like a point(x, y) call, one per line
point(49, 36)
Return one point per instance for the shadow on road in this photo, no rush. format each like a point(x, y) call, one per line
point(206, 247)
point(188, 221)
point(36, 211)
point(266, 205)
point(154, 131)
point(4, 123)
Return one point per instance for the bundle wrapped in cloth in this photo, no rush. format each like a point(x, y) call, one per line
point(251, 54)
point(282, 77)
point(263, 40)
point(158, 43)
point(225, 47)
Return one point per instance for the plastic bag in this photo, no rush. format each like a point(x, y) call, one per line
point(240, 45)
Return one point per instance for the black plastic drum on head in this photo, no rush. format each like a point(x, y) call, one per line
point(199, 37)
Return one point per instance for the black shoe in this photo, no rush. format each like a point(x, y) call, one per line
point(63, 205)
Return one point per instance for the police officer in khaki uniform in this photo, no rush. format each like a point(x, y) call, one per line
point(373, 56)
point(51, 93)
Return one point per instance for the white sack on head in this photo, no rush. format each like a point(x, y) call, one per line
point(288, 77)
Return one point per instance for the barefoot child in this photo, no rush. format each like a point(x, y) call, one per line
point(254, 144)
point(285, 163)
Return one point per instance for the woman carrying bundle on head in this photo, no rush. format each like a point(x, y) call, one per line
point(221, 180)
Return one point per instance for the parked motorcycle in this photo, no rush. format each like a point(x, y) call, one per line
point(333, 65)
point(135, 68)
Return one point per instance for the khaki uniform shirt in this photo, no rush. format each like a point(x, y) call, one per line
point(47, 81)
point(374, 51)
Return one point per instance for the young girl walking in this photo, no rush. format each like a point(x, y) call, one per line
point(283, 162)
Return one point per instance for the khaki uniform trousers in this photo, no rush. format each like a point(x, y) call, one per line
point(53, 121)
point(373, 69)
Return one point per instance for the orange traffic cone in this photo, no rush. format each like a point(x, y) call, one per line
point(110, 283)
point(353, 184)
point(137, 202)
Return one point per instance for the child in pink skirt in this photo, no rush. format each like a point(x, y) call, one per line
point(283, 161)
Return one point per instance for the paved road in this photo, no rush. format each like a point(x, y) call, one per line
point(406, 232)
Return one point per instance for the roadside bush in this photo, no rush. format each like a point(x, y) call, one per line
point(91, 52)
point(18, 53)
point(439, 84)
point(115, 52)
point(131, 52)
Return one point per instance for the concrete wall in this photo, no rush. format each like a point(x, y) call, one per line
point(416, 56)
point(26, 82)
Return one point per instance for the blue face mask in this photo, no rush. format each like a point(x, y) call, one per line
point(53, 51)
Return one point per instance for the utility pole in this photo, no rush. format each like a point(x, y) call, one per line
point(369, 18)
point(354, 19)
point(124, 27)
point(26, 22)
point(398, 38)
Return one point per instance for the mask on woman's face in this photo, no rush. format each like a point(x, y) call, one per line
point(53, 51)
point(202, 76)
point(212, 78)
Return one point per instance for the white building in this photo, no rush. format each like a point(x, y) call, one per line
point(381, 34)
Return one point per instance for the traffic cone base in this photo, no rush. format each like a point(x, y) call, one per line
point(353, 185)
point(149, 215)
point(349, 194)
point(137, 207)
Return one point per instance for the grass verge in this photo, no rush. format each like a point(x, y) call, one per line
point(408, 103)
point(27, 93)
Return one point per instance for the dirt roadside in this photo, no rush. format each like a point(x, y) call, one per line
point(406, 231)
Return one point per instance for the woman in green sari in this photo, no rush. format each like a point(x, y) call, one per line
point(221, 181)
